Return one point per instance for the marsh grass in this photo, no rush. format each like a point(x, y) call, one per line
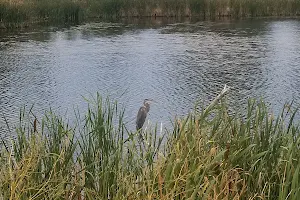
point(15, 13)
point(23, 12)
point(208, 154)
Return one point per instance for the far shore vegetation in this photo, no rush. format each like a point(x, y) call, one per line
point(24, 12)
point(209, 154)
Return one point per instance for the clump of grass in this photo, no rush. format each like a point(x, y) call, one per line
point(12, 14)
point(209, 154)
point(59, 11)
point(16, 13)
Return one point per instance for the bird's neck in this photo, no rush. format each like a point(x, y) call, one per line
point(147, 106)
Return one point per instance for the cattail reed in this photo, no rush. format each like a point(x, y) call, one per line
point(208, 154)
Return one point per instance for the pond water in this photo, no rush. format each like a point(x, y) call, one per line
point(174, 63)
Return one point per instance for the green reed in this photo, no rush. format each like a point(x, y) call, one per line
point(209, 154)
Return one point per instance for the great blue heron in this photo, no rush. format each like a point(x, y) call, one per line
point(142, 114)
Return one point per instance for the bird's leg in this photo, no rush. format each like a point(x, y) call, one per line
point(141, 140)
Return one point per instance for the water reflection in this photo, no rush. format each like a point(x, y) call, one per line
point(175, 64)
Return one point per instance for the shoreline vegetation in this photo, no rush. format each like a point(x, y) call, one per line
point(208, 154)
point(20, 13)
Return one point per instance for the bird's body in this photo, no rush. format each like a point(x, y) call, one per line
point(142, 114)
point(141, 117)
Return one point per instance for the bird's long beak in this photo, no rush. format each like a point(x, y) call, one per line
point(150, 100)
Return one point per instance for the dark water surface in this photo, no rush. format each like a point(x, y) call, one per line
point(175, 64)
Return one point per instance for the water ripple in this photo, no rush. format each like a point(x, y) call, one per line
point(175, 64)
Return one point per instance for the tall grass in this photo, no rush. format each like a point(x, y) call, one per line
point(208, 154)
point(16, 12)
point(22, 12)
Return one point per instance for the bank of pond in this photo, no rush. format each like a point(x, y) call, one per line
point(211, 153)
point(18, 13)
